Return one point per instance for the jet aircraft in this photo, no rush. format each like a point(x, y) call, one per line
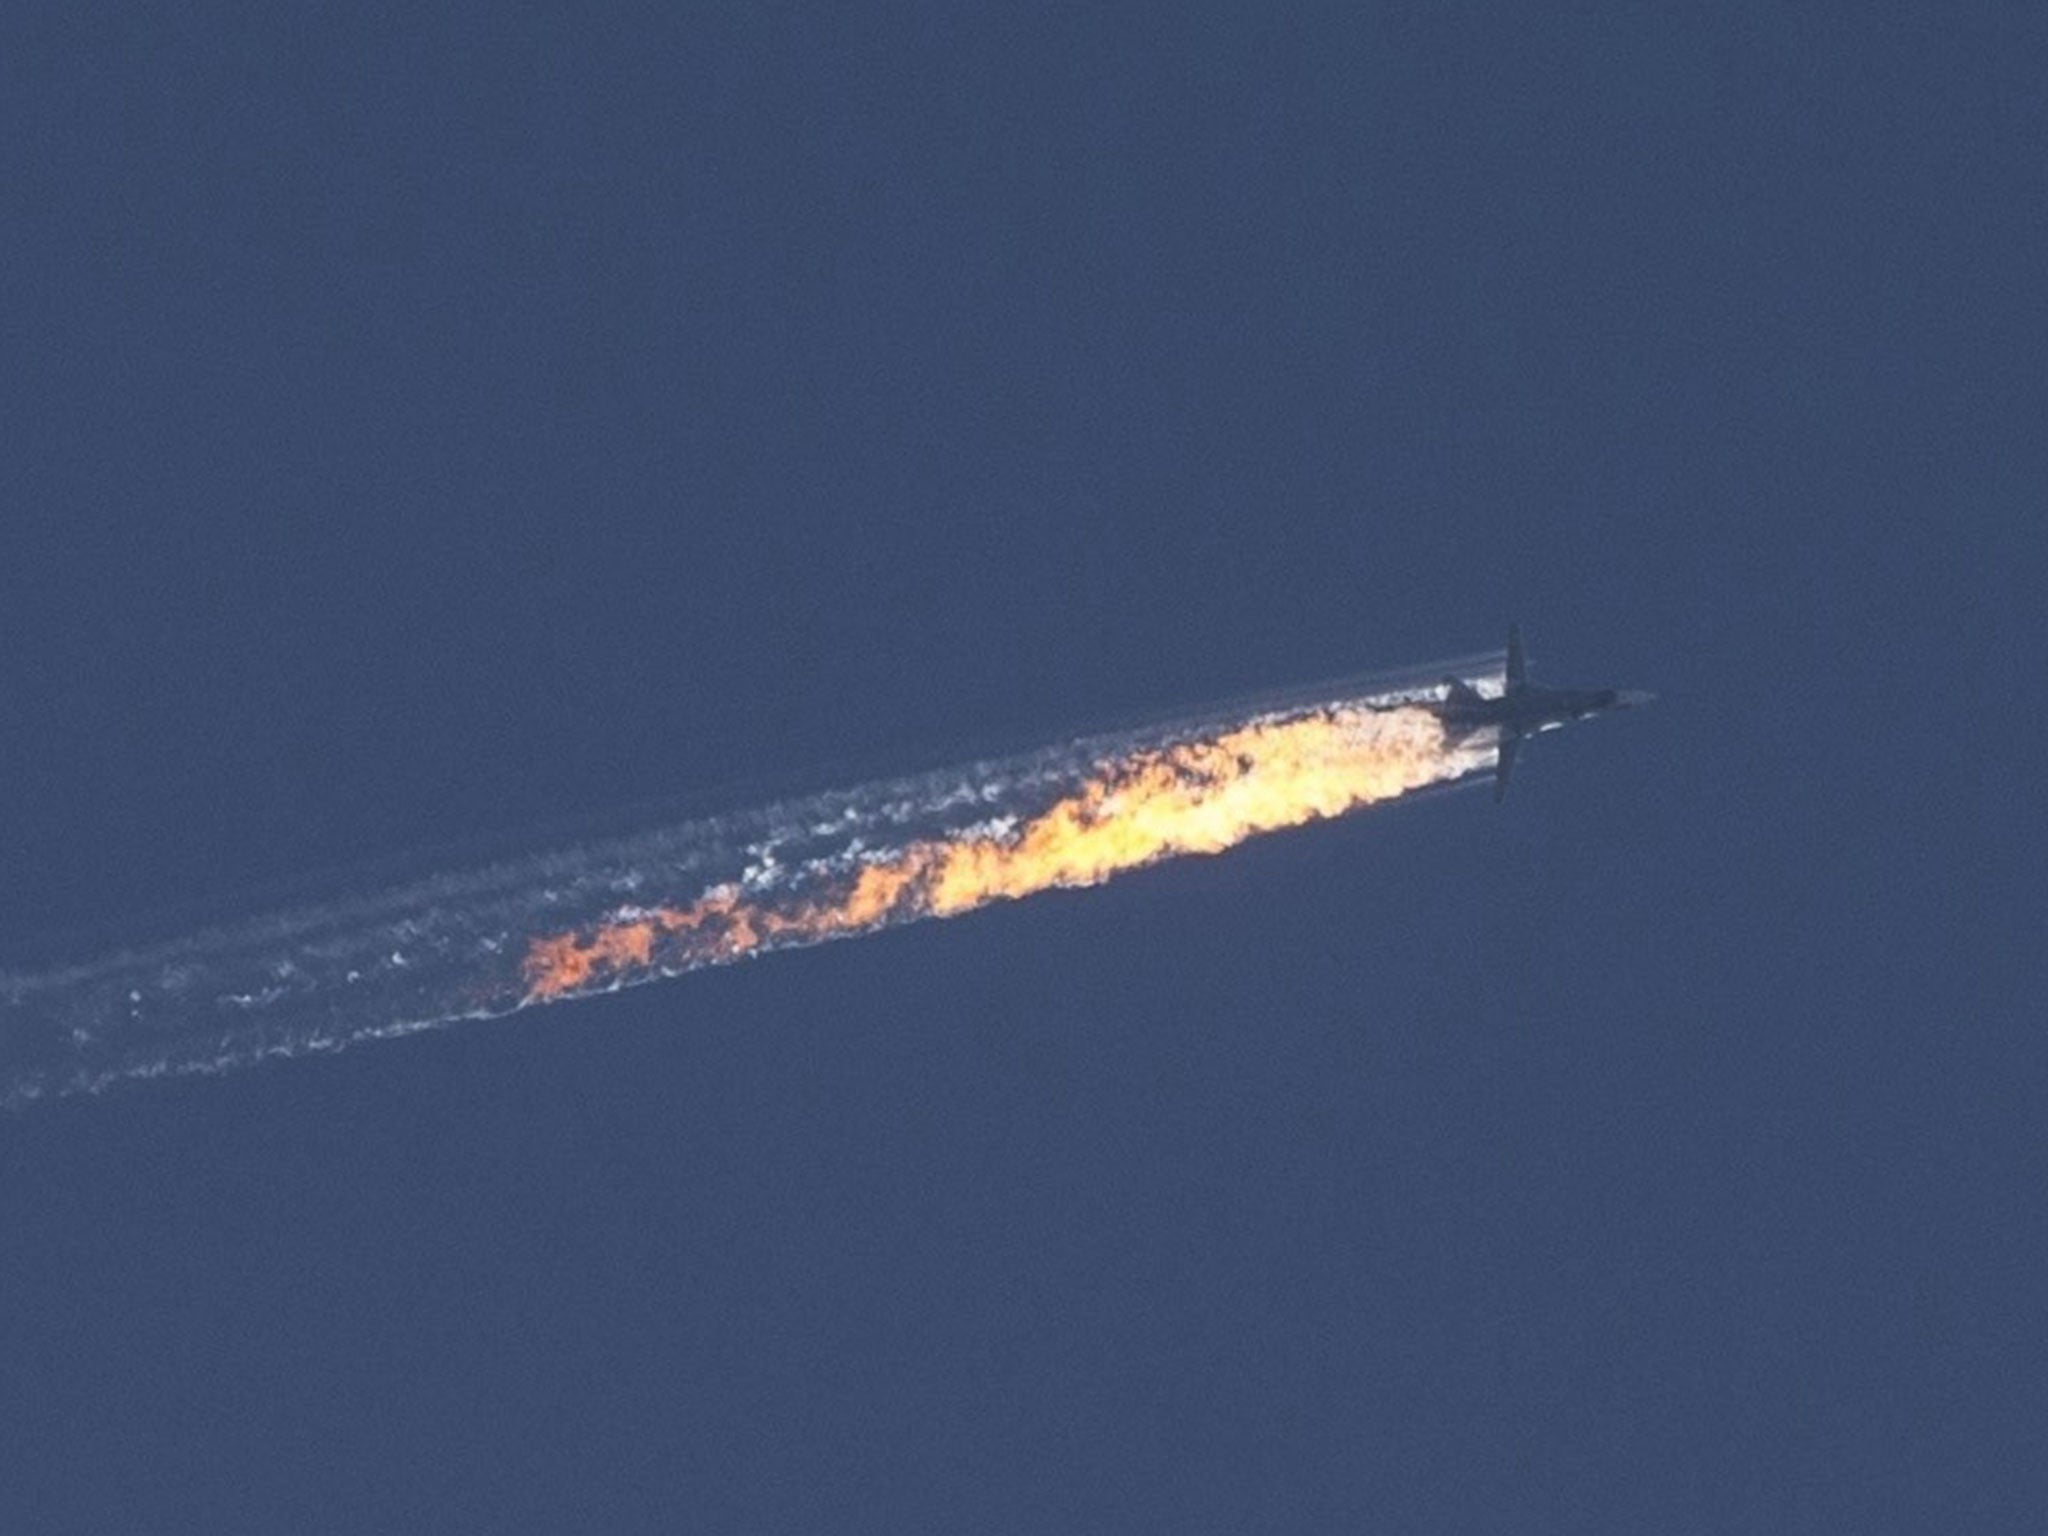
point(1522, 710)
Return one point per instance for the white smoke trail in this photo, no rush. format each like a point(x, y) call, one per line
point(564, 920)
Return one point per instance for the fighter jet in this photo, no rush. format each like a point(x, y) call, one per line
point(1522, 710)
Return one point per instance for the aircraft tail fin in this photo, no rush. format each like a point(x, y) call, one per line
point(1518, 667)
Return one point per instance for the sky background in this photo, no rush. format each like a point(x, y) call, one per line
point(428, 422)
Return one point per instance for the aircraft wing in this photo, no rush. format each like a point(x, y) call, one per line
point(1505, 767)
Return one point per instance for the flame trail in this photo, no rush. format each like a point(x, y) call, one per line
point(564, 921)
point(1197, 796)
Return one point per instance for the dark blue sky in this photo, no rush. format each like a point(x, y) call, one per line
point(444, 421)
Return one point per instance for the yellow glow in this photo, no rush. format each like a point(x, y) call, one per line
point(1198, 796)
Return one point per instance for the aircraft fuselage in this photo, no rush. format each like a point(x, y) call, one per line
point(1526, 711)
point(1521, 709)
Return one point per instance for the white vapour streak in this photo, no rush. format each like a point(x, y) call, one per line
point(376, 961)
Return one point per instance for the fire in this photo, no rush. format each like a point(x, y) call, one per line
point(1196, 796)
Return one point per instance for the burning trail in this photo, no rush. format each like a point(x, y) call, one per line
point(564, 921)
point(1198, 796)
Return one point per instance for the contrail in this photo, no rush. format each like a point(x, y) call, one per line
point(568, 920)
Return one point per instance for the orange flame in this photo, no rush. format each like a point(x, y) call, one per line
point(1198, 796)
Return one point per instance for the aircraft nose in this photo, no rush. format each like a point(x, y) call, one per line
point(1629, 698)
